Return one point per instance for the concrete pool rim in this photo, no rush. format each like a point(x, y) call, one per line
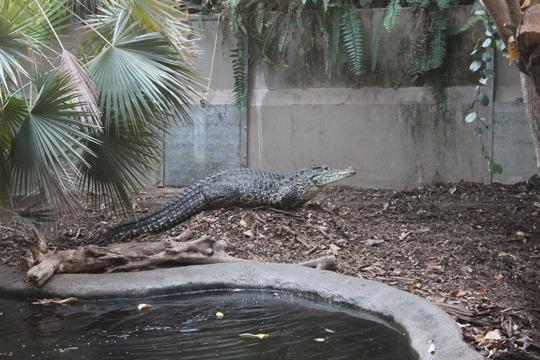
point(429, 327)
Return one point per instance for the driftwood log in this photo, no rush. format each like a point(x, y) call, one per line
point(137, 256)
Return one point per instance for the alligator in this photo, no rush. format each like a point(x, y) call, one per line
point(239, 187)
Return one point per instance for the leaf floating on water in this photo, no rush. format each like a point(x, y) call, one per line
point(144, 307)
point(220, 315)
point(329, 330)
point(57, 301)
point(261, 336)
point(320, 339)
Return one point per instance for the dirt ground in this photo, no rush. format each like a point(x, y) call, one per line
point(473, 249)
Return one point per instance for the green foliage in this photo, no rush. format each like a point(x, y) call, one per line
point(263, 29)
point(113, 171)
point(429, 48)
point(140, 79)
point(49, 141)
point(62, 126)
point(376, 44)
point(352, 36)
point(468, 24)
point(391, 15)
point(239, 73)
point(481, 59)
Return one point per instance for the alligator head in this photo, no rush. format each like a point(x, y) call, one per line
point(301, 186)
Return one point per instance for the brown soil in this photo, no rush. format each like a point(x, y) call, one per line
point(474, 249)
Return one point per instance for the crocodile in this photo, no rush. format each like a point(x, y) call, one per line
point(238, 187)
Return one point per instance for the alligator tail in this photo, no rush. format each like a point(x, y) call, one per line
point(178, 209)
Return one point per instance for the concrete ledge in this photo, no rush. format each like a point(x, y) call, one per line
point(425, 323)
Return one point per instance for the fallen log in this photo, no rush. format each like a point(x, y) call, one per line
point(141, 255)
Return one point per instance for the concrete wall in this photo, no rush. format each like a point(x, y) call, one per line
point(385, 125)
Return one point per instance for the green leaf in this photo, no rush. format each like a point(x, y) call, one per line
point(483, 99)
point(475, 65)
point(494, 167)
point(471, 117)
point(352, 36)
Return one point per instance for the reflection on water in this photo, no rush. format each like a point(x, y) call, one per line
point(185, 327)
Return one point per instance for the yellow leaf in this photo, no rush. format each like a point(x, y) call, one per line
point(329, 331)
point(261, 336)
point(320, 339)
point(144, 307)
point(513, 51)
point(520, 233)
point(58, 301)
point(416, 285)
point(220, 315)
point(525, 4)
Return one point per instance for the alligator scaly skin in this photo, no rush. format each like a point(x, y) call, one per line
point(239, 187)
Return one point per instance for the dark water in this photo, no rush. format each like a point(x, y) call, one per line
point(185, 327)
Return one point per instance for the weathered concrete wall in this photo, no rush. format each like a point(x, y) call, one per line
point(512, 140)
point(385, 125)
point(217, 140)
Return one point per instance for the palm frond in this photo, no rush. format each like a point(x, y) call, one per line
point(50, 142)
point(123, 160)
point(11, 55)
point(167, 17)
point(352, 36)
point(84, 88)
point(140, 78)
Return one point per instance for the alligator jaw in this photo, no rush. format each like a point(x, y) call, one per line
point(335, 175)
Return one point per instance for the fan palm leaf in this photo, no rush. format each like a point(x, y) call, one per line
point(123, 160)
point(50, 142)
point(140, 78)
point(22, 26)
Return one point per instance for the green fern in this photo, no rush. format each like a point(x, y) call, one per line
point(239, 73)
point(468, 24)
point(238, 55)
point(352, 36)
point(442, 4)
point(391, 15)
point(376, 44)
point(437, 40)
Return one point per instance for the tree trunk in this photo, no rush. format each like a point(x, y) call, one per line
point(141, 255)
point(519, 27)
point(531, 98)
